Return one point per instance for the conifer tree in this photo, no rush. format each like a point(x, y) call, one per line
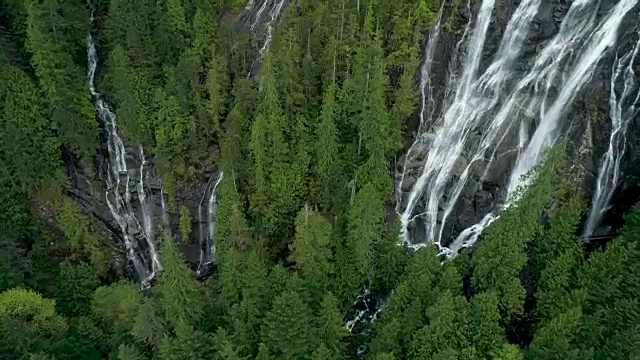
point(49, 26)
point(330, 328)
point(311, 251)
point(29, 152)
point(180, 296)
point(327, 153)
point(129, 352)
point(288, 329)
point(115, 308)
point(28, 323)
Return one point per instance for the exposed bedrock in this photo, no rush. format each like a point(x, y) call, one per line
point(585, 122)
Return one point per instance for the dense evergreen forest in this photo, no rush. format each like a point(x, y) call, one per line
point(307, 137)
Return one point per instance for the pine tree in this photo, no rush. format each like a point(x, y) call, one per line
point(247, 316)
point(288, 329)
point(331, 330)
point(554, 340)
point(187, 344)
point(488, 336)
point(495, 268)
point(148, 327)
point(278, 173)
point(447, 333)
point(311, 251)
point(180, 296)
point(366, 219)
point(50, 29)
point(185, 223)
point(30, 152)
point(216, 85)
point(129, 352)
point(75, 290)
point(225, 349)
point(82, 234)
point(115, 308)
point(28, 323)
point(403, 315)
point(327, 154)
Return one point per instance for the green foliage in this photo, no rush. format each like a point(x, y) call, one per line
point(15, 230)
point(129, 352)
point(305, 142)
point(180, 296)
point(187, 344)
point(30, 152)
point(288, 331)
point(185, 224)
point(366, 223)
point(52, 39)
point(498, 262)
point(117, 304)
point(327, 154)
point(83, 340)
point(447, 333)
point(83, 235)
point(311, 250)
point(278, 168)
point(404, 312)
point(75, 291)
point(330, 328)
point(148, 326)
point(28, 323)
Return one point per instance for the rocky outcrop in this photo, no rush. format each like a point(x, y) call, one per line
point(90, 193)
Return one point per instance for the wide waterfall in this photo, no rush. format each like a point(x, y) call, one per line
point(125, 186)
point(207, 243)
point(622, 110)
point(493, 126)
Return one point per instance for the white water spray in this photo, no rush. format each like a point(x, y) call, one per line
point(478, 121)
point(275, 9)
point(622, 110)
point(207, 238)
point(138, 237)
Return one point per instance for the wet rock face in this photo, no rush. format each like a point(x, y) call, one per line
point(126, 195)
point(488, 178)
point(90, 193)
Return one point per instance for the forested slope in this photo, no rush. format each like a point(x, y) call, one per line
point(307, 133)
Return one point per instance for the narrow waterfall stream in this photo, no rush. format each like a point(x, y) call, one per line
point(125, 186)
point(207, 237)
point(622, 110)
point(500, 118)
point(275, 9)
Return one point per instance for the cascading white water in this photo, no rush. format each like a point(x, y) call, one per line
point(275, 9)
point(622, 111)
point(207, 238)
point(274, 14)
point(119, 196)
point(163, 205)
point(475, 125)
point(427, 108)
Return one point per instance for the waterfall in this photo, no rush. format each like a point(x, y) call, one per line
point(622, 110)
point(163, 205)
point(427, 107)
point(275, 9)
point(207, 243)
point(487, 117)
point(274, 13)
point(121, 196)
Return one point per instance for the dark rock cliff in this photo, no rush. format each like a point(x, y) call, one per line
point(586, 124)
